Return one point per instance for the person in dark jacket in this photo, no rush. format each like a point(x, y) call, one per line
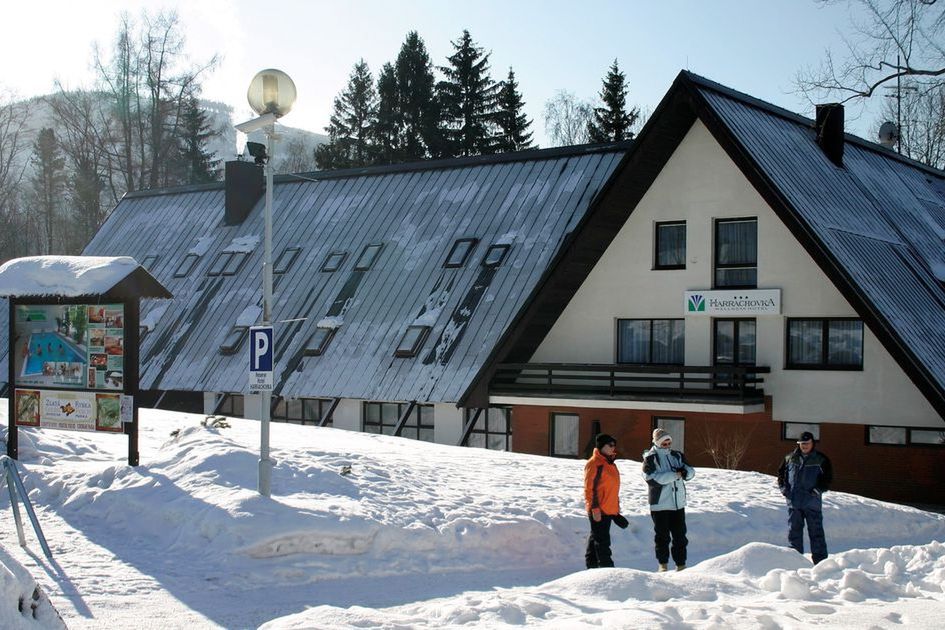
point(804, 475)
point(666, 472)
point(602, 500)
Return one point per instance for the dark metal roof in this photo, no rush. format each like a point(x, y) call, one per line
point(531, 201)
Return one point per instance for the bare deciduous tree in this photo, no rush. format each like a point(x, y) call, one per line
point(13, 144)
point(567, 118)
point(893, 39)
point(921, 115)
point(726, 445)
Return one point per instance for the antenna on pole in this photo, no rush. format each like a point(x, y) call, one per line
point(900, 88)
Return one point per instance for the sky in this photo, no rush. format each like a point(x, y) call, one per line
point(374, 531)
point(754, 47)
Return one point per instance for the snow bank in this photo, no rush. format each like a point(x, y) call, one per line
point(22, 602)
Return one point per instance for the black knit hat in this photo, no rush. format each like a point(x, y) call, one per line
point(603, 440)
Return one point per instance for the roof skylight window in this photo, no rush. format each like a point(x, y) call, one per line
point(412, 341)
point(186, 265)
point(495, 255)
point(319, 341)
point(368, 256)
point(285, 259)
point(460, 251)
point(333, 261)
point(233, 340)
point(149, 260)
point(227, 263)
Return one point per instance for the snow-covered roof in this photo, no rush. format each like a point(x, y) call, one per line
point(64, 276)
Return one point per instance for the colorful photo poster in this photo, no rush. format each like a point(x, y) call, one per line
point(27, 407)
point(71, 346)
point(108, 412)
point(67, 410)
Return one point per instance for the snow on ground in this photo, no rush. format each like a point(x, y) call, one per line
point(424, 535)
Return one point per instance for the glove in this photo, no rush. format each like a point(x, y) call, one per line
point(621, 521)
point(595, 514)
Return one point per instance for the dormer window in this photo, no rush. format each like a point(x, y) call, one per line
point(319, 341)
point(368, 256)
point(333, 261)
point(186, 265)
point(460, 251)
point(412, 341)
point(495, 255)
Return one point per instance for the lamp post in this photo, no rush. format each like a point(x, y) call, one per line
point(271, 94)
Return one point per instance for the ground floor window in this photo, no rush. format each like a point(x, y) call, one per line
point(493, 428)
point(301, 410)
point(564, 434)
point(792, 430)
point(903, 436)
point(231, 406)
point(382, 418)
point(676, 427)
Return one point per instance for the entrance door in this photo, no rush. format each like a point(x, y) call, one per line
point(733, 342)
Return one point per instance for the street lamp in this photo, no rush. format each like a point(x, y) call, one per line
point(271, 94)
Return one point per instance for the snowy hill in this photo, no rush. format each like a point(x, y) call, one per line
point(425, 535)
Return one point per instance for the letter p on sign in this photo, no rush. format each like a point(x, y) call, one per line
point(260, 349)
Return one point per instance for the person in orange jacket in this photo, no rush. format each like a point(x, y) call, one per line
point(601, 497)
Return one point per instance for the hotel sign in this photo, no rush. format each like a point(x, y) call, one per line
point(738, 302)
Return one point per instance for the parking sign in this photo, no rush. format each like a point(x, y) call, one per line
point(260, 358)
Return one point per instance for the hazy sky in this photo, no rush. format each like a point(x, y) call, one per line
point(755, 46)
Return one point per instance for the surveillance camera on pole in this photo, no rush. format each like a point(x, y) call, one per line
point(271, 94)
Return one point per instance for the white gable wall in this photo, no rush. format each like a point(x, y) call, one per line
point(699, 184)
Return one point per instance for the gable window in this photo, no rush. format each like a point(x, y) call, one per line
point(285, 260)
point(792, 430)
point(493, 429)
point(670, 245)
point(824, 344)
point(656, 341)
point(460, 251)
point(149, 260)
point(333, 261)
point(736, 253)
point(186, 266)
point(319, 341)
point(383, 418)
point(412, 341)
point(231, 344)
point(564, 434)
point(368, 257)
point(495, 255)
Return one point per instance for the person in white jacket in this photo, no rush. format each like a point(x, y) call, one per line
point(666, 472)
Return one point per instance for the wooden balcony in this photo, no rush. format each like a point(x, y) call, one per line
point(666, 383)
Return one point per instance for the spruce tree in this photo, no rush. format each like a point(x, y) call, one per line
point(419, 110)
point(469, 100)
point(612, 122)
point(355, 111)
point(513, 124)
point(387, 126)
point(194, 163)
point(48, 184)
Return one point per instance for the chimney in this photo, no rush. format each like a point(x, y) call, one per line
point(829, 128)
point(244, 186)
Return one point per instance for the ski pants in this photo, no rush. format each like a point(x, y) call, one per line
point(815, 530)
point(598, 543)
point(670, 524)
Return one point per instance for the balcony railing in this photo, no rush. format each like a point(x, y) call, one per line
point(719, 384)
